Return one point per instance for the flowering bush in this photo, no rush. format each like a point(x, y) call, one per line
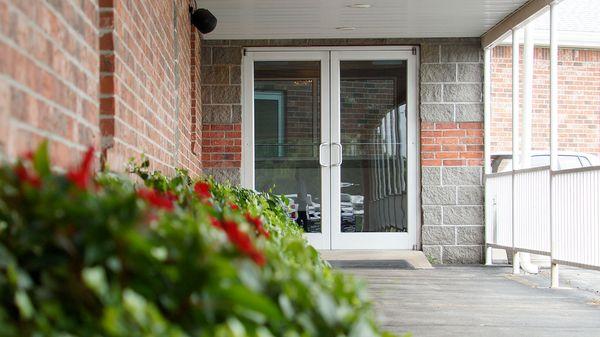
point(96, 255)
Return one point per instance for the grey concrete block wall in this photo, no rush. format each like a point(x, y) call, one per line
point(452, 197)
point(450, 88)
point(452, 229)
point(451, 82)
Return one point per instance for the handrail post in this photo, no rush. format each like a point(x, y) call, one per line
point(487, 168)
point(554, 282)
point(515, 136)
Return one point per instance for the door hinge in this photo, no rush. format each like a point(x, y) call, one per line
point(414, 50)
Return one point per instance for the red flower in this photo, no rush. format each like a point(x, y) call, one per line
point(154, 198)
point(243, 242)
point(202, 190)
point(171, 196)
point(28, 155)
point(233, 206)
point(257, 222)
point(80, 176)
point(28, 177)
point(258, 258)
point(216, 223)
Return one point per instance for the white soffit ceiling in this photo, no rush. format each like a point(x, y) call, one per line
point(284, 19)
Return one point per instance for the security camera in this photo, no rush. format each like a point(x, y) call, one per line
point(204, 20)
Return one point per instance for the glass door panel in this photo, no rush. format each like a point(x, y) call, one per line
point(287, 136)
point(373, 138)
point(290, 156)
point(370, 109)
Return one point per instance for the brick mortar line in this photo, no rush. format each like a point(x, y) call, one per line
point(146, 28)
point(44, 133)
point(144, 61)
point(139, 151)
point(157, 88)
point(145, 121)
point(162, 123)
point(83, 15)
point(177, 81)
point(29, 91)
point(49, 69)
point(71, 30)
point(136, 95)
point(155, 98)
point(137, 44)
point(119, 99)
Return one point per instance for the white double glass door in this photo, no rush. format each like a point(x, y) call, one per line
point(335, 131)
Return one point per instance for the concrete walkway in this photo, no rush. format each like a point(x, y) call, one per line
point(477, 301)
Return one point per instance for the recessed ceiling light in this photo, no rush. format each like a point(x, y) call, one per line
point(345, 28)
point(359, 6)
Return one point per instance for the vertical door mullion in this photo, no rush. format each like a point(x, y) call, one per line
point(411, 148)
point(326, 138)
point(335, 215)
point(247, 164)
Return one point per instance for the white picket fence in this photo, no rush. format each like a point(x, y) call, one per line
point(523, 214)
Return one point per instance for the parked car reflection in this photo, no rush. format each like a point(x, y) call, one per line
point(313, 212)
point(352, 212)
point(502, 161)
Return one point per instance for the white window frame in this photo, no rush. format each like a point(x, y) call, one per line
point(279, 98)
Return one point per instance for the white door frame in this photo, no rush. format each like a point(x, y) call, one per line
point(375, 240)
point(330, 119)
point(318, 240)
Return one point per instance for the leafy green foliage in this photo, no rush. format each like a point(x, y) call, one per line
point(171, 258)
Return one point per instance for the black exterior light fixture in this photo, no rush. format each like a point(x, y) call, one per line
point(203, 19)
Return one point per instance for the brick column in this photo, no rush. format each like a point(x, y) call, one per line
point(452, 152)
point(107, 78)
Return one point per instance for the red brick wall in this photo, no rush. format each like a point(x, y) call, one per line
point(146, 84)
point(114, 74)
point(451, 144)
point(578, 101)
point(48, 76)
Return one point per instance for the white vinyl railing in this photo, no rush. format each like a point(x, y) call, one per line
point(532, 210)
point(499, 210)
point(576, 215)
point(518, 213)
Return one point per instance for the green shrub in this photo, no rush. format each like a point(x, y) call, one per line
point(100, 256)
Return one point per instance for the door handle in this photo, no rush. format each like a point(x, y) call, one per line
point(321, 152)
point(340, 155)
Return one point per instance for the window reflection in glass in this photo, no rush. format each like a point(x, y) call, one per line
point(287, 136)
point(373, 134)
